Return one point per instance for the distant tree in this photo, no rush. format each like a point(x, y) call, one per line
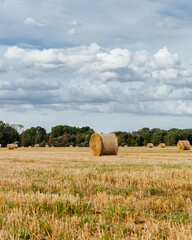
point(51, 139)
point(33, 135)
point(18, 127)
point(64, 135)
point(79, 139)
point(8, 134)
point(65, 139)
point(122, 138)
point(24, 141)
point(57, 131)
point(158, 137)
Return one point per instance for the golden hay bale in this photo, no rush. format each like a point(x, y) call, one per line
point(71, 146)
point(103, 144)
point(183, 145)
point(46, 146)
point(15, 145)
point(10, 146)
point(36, 145)
point(0, 145)
point(150, 145)
point(162, 145)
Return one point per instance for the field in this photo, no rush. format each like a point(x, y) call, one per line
point(65, 193)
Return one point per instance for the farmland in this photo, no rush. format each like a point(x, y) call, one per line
point(65, 193)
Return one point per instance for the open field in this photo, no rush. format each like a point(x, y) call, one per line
point(65, 193)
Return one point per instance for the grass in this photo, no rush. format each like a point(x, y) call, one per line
point(65, 193)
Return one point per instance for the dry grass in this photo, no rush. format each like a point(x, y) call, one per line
point(65, 193)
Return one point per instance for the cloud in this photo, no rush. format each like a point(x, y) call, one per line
point(33, 22)
point(71, 32)
point(73, 23)
point(138, 62)
point(111, 24)
point(3, 69)
point(164, 59)
point(95, 79)
point(171, 23)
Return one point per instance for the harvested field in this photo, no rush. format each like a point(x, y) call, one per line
point(66, 193)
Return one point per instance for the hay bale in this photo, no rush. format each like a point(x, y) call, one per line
point(184, 145)
point(162, 145)
point(10, 146)
point(150, 145)
point(0, 145)
point(46, 146)
point(15, 145)
point(71, 146)
point(103, 144)
point(36, 145)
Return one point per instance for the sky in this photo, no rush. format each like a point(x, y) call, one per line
point(111, 65)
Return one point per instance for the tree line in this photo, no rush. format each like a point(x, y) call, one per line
point(65, 136)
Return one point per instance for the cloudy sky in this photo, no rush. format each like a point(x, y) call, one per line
point(109, 64)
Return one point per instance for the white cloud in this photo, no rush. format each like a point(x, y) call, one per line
point(114, 59)
point(171, 23)
point(140, 58)
point(73, 23)
point(31, 56)
point(92, 78)
point(166, 74)
point(164, 59)
point(128, 72)
point(72, 31)
point(31, 21)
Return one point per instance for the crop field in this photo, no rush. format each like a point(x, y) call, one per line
point(66, 193)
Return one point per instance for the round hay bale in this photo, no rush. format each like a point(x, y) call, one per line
point(0, 145)
point(46, 145)
point(15, 145)
point(184, 145)
point(103, 144)
point(150, 145)
point(36, 145)
point(162, 145)
point(10, 146)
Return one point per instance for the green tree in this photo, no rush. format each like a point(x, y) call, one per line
point(8, 134)
point(50, 139)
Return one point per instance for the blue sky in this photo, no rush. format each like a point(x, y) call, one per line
point(112, 65)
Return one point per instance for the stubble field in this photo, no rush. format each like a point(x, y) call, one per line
point(65, 193)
